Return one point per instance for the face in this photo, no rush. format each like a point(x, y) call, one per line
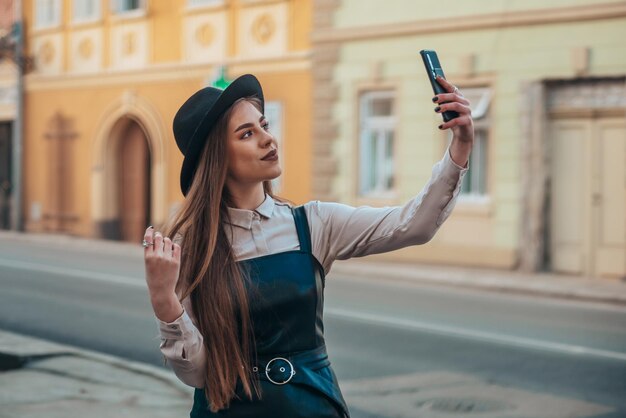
point(252, 150)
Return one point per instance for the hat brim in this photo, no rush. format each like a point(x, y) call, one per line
point(246, 85)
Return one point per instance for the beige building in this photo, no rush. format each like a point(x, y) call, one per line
point(546, 188)
point(109, 75)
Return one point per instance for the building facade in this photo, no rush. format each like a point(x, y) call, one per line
point(8, 107)
point(546, 189)
point(100, 157)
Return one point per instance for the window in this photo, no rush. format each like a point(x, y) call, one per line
point(124, 6)
point(475, 182)
point(274, 115)
point(47, 13)
point(86, 10)
point(376, 138)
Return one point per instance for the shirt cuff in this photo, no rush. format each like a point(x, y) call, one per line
point(448, 156)
point(452, 172)
point(178, 328)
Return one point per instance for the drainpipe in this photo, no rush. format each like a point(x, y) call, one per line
point(17, 223)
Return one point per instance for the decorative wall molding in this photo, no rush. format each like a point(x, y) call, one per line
point(263, 30)
point(294, 61)
point(48, 52)
point(474, 22)
point(86, 51)
point(205, 37)
point(129, 45)
point(325, 130)
point(596, 93)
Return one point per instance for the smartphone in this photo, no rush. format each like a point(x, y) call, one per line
point(433, 69)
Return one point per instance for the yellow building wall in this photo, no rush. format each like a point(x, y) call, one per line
point(159, 86)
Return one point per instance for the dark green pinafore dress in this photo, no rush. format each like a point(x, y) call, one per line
point(286, 304)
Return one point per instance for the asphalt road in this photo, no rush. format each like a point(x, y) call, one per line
point(399, 349)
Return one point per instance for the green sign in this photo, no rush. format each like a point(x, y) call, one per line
point(221, 82)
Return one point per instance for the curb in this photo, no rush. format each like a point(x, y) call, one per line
point(42, 349)
point(541, 284)
point(78, 243)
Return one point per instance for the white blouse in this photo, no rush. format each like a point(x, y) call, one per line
point(338, 232)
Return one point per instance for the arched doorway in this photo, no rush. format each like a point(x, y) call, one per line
point(127, 186)
point(128, 170)
point(133, 181)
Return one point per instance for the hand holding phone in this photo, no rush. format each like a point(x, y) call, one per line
point(433, 69)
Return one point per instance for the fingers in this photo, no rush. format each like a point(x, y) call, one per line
point(456, 106)
point(450, 97)
point(158, 243)
point(161, 246)
point(453, 100)
point(167, 247)
point(460, 121)
point(176, 252)
point(148, 236)
point(445, 84)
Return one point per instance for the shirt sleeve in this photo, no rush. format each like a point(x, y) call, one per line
point(340, 232)
point(183, 347)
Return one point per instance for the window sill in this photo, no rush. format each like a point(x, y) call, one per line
point(81, 23)
point(129, 15)
point(209, 7)
point(46, 29)
point(258, 2)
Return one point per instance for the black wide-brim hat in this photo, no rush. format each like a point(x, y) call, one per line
point(197, 116)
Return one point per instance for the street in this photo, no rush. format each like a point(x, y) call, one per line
point(397, 347)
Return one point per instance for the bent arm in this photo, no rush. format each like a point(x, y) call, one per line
point(182, 345)
point(339, 231)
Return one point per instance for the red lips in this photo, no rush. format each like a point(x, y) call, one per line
point(269, 155)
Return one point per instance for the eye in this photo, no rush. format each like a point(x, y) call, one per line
point(245, 134)
point(266, 126)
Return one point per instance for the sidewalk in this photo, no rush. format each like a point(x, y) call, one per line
point(541, 284)
point(39, 378)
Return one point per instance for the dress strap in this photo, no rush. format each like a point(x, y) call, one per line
point(302, 226)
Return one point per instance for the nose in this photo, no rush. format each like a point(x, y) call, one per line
point(267, 139)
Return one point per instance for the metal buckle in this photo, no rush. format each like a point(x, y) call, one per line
point(282, 370)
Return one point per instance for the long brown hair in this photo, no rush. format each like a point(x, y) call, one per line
point(209, 273)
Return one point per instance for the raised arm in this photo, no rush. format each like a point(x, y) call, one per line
point(339, 232)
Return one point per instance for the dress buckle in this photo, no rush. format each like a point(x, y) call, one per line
point(281, 369)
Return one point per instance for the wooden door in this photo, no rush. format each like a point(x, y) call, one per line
point(609, 197)
point(588, 196)
point(569, 208)
point(134, 185)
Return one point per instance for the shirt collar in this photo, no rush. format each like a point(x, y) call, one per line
point(243, 217)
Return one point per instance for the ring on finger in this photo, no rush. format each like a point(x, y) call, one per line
point(456, 89)
point(146, 244)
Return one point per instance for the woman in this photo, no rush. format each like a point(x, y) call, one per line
point(238, 295)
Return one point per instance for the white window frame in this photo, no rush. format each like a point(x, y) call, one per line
point(384, 128)
point(53, 15)
point(274, 114)
point(95, 16)
point(475, 185)
point(116, 8)
point(201, 4)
